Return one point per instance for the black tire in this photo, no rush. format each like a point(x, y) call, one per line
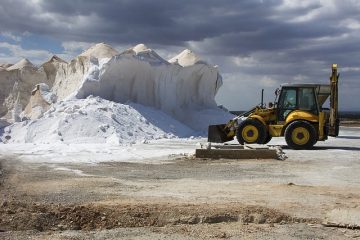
point(337, 127)
point(268, 139)
point(300, 135)
point(251, 131)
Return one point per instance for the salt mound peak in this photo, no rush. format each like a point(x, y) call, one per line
point(140, 48)
point(100, 50)
point(55, 58)
point(185, 58)
point(21, 64)
point(5, 65)
point(141, 51)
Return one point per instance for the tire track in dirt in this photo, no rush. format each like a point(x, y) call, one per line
point(19, 216)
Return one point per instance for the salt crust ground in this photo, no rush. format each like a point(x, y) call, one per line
point(309, 184)
point(159, 150)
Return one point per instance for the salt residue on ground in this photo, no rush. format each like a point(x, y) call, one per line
point(95, 120)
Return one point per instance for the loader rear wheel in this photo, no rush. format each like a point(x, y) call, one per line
point(251, 131)
point(300, 135)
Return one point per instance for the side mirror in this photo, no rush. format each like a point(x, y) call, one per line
point(277, 92)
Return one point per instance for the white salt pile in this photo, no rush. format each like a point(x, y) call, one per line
point(95, 120)
point(70, 77)
point(139, 96)
point(40, 101)
point(18, 80)
point(142, 76)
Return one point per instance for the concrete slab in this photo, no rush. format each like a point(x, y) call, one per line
point(256, 146)
point(236, 153)
point(349, 218)
point(228, 146)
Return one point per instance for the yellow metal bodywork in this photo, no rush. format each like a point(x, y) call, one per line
point(264, 115)
point(231, 127)
point(300, 136)
point(250, 133)
point(321, 132)
point(301, 115)
point(276, 129)
point(334, 104)
point(326, 122)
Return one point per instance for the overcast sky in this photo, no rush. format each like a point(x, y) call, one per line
point(256, 43)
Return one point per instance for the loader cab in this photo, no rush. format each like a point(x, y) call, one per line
point(297, 97)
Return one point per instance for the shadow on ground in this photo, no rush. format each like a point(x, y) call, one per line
point(349, 137)
point(326, 148)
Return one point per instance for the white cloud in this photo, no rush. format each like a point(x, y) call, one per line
point(73, 46)
point(244, 61)
point(324, 7)
point(242, 91)
point(17, 53)
point(72, 49)
point(300, 78)
point(350, 23)
point(295, 4)
point(350, 69)
point(11, 36)
point(266, 81)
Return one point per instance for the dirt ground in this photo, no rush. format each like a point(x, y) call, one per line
point(183, 198)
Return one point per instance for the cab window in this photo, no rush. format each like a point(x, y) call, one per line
point(288, 99)
point(287, 102)
point(307, 100)
point(302, 98)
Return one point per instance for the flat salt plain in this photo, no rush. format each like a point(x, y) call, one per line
point(312, 184)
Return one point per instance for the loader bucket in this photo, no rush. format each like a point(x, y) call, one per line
point(217, 134)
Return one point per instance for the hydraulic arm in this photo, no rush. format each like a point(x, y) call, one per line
point(334, 118)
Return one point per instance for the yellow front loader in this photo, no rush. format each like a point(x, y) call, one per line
point(297, 114)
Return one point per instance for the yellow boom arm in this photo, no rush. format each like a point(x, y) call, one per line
point(334, 118)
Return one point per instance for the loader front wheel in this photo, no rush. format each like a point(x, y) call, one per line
point(300, 135)
point(268, 139)
point(251, 131)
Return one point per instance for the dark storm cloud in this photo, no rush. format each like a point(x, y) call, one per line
point(236, 27)
point(159, 21)
point(296, 40)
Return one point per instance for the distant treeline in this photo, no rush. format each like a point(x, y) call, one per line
point(350, 114)
point(342, 114)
